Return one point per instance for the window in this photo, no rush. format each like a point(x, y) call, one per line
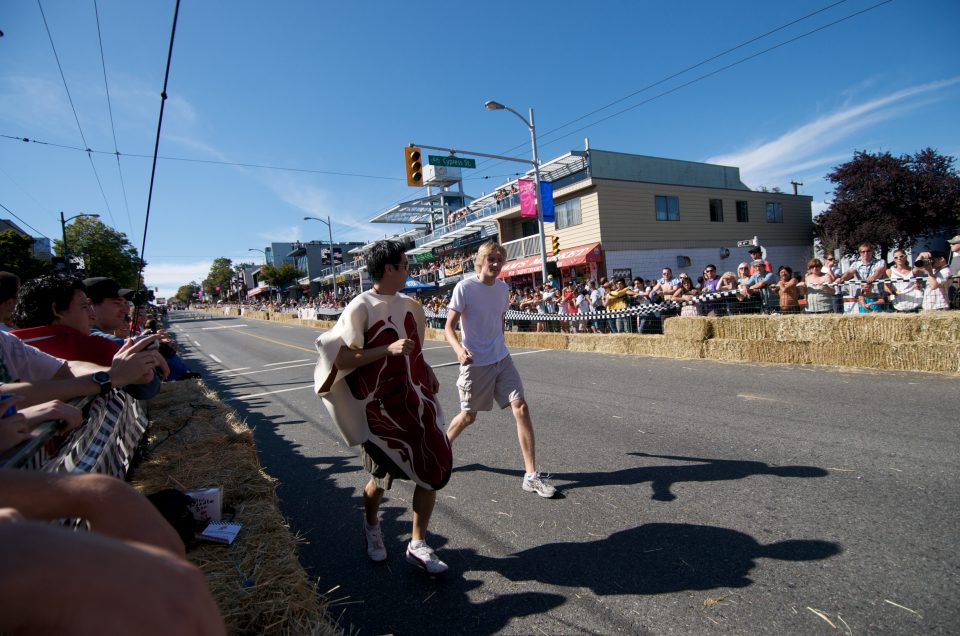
point(668, 208)
point(742, 214)
point(716, 210)
point(529, 228)
point(774, 213)
point(567, 214)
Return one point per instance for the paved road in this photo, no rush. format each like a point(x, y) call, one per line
point(696, 497)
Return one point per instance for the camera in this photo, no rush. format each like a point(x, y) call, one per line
point(921, 262)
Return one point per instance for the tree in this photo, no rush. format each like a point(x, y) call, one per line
point(279, 276)
point(221, 273)
point(105, 251)
point(16, 256)
point(187, 293)
point(890, 201)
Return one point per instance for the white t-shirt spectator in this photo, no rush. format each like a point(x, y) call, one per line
point(938, 298)
point(20, 362)
point(481, 309)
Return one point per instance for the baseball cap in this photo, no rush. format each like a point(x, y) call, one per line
point(759, 262)
point(549, 276)
point(101, 288)
point(755, 250)
point(954, 240)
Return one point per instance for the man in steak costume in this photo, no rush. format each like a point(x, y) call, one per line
point(381, 394)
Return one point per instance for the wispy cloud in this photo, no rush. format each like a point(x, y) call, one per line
point(812, 145)
point(283, 234)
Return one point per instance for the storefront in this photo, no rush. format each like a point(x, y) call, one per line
point(576, 265)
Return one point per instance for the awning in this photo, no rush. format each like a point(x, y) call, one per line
point(566, 258)
point(258, 290)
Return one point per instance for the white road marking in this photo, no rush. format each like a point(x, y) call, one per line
point(456, 362)
point(309, 364)
point(196, 343)
point(222, 327)
point(231, 370)
point(215, 359)
point(432, 348)
point(247, 397)
point(273, 364)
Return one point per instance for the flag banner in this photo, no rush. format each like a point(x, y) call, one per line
point(546, 200)
point(528, 199)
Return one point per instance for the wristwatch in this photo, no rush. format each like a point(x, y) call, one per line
point(103, 379)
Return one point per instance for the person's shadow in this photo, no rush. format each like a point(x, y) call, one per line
point(661, 478)
point(655, 558)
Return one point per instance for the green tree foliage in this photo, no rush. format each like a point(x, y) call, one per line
point(890, 201)
point(187, 293)
point(105, 251)
point(16, 256)
point(221, 273)
point(279, 276)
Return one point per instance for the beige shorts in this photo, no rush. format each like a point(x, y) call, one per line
point(479, 386)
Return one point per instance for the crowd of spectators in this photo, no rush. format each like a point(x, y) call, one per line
point(62, 340)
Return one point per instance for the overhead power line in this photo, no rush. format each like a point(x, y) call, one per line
point(113, 128)
point(24, 222)
point(75, 117)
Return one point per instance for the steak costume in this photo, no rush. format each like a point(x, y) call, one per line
point(388, 402)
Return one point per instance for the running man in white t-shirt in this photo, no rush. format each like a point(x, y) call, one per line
point(486, 368)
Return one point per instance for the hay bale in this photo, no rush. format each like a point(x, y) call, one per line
point(195, 441)
point(688, 328)
point(939, 327)
point(542, 340)
point(740, 327)
point(925, 356)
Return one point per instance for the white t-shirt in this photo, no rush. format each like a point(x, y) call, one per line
point(20, 362)
point(481, 308)
point(938, 298)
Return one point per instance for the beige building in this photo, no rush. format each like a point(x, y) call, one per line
point(631, 215)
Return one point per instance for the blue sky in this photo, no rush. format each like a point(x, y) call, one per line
point(334, 91)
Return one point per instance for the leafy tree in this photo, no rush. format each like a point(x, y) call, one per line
point(187, 293)
point(221, 273)
point(890, 201)
point(16, 256)
point(105, 251)
point(279, 276)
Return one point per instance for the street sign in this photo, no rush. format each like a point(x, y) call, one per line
point(745, 243)
point(451, 162)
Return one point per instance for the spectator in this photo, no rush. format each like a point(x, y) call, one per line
point(665, 286)
point(549, 305)
point(132, 557)
point(757, 288)
point(867, 267)
point(9, 287)
point(110, 305)
point(584, 307)
point(868, 300)
point(936, 292)
point(686, 293)
point(616, 301)
point(728, 283)
point(567, 307)
point(831, 267)
point(709, 286)
point(817, 287)
point(596, 300)
point(787, 290)
point(756, 254)
point(905, 293)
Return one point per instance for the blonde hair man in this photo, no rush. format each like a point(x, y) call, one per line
point(487, 372)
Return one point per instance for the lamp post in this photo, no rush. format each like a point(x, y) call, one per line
point(253, 249)
point(492, 105)
point(333, 273)
point(63, 230)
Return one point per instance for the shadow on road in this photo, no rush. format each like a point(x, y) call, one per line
point(661, 478)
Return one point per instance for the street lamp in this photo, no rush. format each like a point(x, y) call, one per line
point(63, 230)
point(253, 249)
point(492, 105)
point(333, 272)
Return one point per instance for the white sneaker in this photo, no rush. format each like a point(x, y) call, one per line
point(373, 539)
point(425, 558)
point(535, 482)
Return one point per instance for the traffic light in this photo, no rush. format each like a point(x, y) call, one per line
point(556, 245)
point(411, 158)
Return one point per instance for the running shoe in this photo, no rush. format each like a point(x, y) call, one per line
point(373, 539)
point(425, 558)
point(536, 482)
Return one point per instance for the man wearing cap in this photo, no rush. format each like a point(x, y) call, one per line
point(756, 254)
point(758, 285)
point(110, 305)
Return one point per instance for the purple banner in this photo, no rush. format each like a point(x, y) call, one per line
point(528, 198)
